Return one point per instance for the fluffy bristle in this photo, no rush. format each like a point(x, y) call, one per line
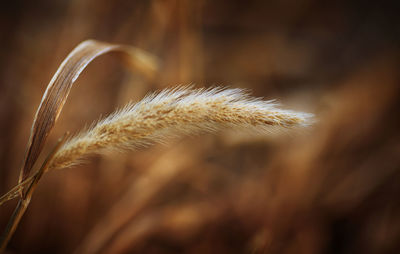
point(176, 112)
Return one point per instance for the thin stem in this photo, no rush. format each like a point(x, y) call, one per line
point(24, 201)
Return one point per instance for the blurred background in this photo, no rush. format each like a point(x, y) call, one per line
point(333, 188)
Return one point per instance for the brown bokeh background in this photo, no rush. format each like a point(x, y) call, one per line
point(333, 188)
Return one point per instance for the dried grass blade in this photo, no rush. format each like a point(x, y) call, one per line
point(60, 85)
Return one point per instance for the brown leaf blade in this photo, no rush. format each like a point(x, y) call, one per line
point(60, 85)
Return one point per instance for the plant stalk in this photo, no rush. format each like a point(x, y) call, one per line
point(25, 199)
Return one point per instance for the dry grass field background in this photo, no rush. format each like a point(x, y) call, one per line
point(331, 188)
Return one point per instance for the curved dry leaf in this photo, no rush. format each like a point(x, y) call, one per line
point(60, 85)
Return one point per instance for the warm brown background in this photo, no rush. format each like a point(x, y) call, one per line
point(334, 188)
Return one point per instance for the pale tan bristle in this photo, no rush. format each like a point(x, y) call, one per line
point(176, 112)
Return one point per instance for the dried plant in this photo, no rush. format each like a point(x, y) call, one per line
point(50, 108)
point(169, 113)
